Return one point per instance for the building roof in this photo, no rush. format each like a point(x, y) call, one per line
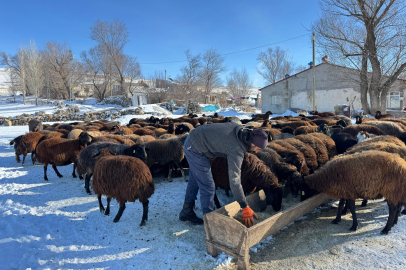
point(328, 63)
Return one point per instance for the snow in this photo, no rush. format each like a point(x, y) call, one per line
point(56, 225)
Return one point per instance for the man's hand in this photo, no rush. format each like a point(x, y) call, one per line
point(248, 216)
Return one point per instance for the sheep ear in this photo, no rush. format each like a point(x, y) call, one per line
point(303, 193)
point(133, 151)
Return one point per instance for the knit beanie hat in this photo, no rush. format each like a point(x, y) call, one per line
point(259, 138)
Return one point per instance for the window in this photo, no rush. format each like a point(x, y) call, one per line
point(116, 88)
point(276, 100)
point(87, 89)
point(393, 100)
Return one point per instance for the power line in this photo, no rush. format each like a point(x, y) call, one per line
point(230, 52)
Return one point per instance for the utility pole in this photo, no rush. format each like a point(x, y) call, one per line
point(314, 72)
point(48, 94)
point(165, 79)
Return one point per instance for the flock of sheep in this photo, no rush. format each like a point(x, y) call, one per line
point(305, 155)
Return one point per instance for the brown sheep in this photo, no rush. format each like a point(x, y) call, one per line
point(144, 131)
point(379, 115)
point(16, 142)
point(360, 120)
point(104, 139)
point(307, 151)
point(167, 136)
point(386, 138)
point(363, 175)
point(121, 139)
point(294, 124)
point(61, 152)
point(354, 130)
point(283, 170)
point(318, 146)
point(124, 178)
point(28, 143)
point(132, 137)
point(328, 142)
point(159, 132)
point(144, 139)
point(389, 128)
point(322, 114)
point(254, 174)
point(264, 116)
point(292, 156)
point(305, 130)
point(379, 146)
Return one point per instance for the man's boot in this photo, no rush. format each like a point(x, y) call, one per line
point(187, 214)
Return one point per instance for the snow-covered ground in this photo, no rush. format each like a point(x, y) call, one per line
point(56, 225)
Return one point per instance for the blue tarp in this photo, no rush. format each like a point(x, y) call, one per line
point(210, 108)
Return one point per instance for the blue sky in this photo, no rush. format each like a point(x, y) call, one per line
point(160, 31)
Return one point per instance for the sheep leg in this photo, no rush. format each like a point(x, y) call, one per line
point(33, 159)
point(181, 170)
point(364, 203)
point(397, 214)
point(74, 168)
point(87, 181)
point(101, 207)
point(144, 212)
point(56, 171)
point(45, 172)
point(170, 172)
point(339, 212)
point(391, 218)
point(23, 160)
point(351, 205)
point(120, 212)
point(18, 158)
point(216, 201)
point(345, 210)
point(108, 206)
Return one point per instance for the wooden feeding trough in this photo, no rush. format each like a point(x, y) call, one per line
point(225, 233)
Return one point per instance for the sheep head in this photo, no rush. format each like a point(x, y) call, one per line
point(323, 128)
point(274, 197)
point(362, 136)
point(137, 151)
point(85, 138)
point(295, 182)
point(358, 120)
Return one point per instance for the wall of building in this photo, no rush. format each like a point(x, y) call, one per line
point(335, 85)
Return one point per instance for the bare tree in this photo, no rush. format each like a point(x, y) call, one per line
point(132, 72)
point(188, 78)
point(99, 67)
point(239, 83)
point(209, 76)
point(366, 35)
point(12, 63)
point(61, 69)
point(34, 74)
point(274, 64)
point(112, 37)
point(300, 68)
